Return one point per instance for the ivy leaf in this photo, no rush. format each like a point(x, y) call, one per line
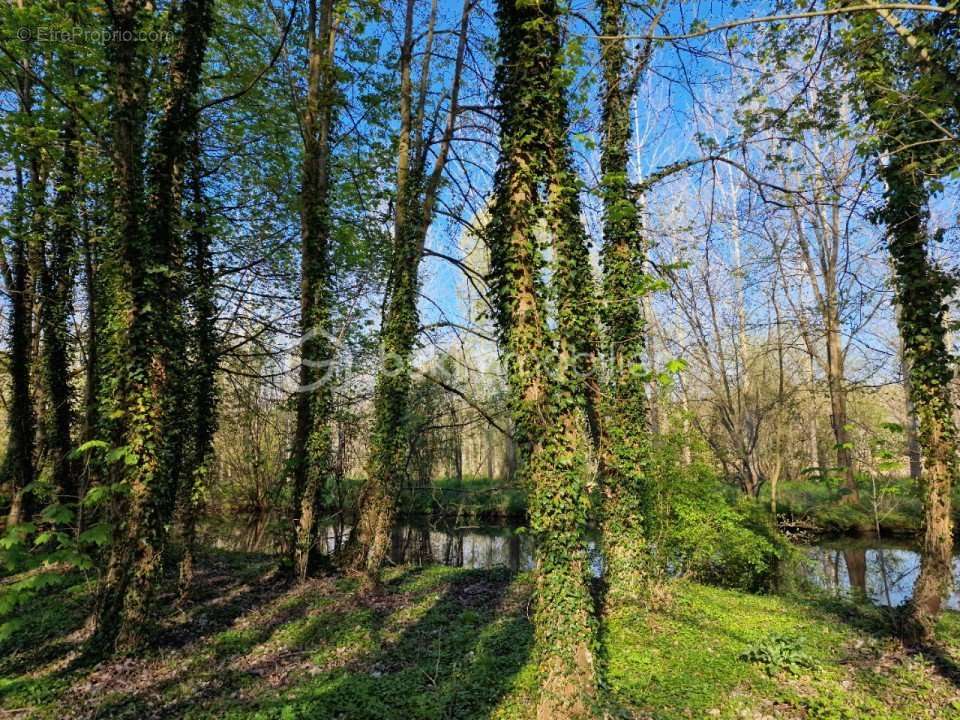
point(98, 535)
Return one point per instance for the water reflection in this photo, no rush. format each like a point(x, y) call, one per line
point(469, 547)
point(419, 543)
point(252, 533)
point(883, 574)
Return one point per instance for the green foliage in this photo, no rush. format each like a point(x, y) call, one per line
point(40, 557)
point(453, 643)
point(467, 497)
point(706, 534)
point(899, 504)
point(779, 653)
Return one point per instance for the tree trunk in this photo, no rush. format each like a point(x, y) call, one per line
point(838, 404)
point(57, 290)
point(416, 195)
point(546, 390)
point(623, 446)
point(312, 449)
point(202, 352)
point(922, 290)
point(18, 463)
point(20, 277)
point(147, 383)
point(911, 147)
point(911, 426)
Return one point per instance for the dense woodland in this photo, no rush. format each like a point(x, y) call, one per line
point(660, 281)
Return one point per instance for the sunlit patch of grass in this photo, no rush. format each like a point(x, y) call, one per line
point(693, 659)
point(443, 642)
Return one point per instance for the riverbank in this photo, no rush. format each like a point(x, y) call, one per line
point(894, 503)
point(467, 498)
point(445, 642)
point(811, 505)
point(471, 497)
point(814, 505)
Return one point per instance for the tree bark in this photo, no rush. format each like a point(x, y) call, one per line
point(57, 293)
point(202, 353)
point(147, 342)
point(416, 195)
point(546, 389)
point(624, 445)
point(312, 446)
point(921, 287)
point(20, 281)
point(838, 404)
point(922, 290)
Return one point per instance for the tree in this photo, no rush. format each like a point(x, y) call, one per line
point(624, 439)
point(912, 153)
point(312, 440)
point(56, 291)
point(417, 187)
point(202, 354)
point(144, 394)
point(20, 273)
point(532, 187)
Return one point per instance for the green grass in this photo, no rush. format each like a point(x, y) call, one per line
point(687, 660)
point(900, 508)
point(473, 497)
point(453, 643)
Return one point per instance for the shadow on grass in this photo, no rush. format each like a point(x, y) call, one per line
point(437, 643)
point(456, 660)
point(45, 656)
point(886, 623)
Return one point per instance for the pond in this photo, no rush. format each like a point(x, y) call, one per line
point(418, 541)
point(882, 571)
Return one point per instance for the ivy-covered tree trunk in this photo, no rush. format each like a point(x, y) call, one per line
point(147, 388)
point(128, 90)
point(416, 195)
point(57, 295)
point(387, 466)
point(548, 408)
point(20, 279)
point(625, 440)
point(202, 354)
point(922, 291)
point(312, 441)
point(911, 155)
point(18, 461)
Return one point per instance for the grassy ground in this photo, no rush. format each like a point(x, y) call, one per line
point(470, 497)
point(898, 504)
point(452, 643)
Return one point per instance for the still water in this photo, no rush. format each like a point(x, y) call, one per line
point(417, 543)
point(883, 572)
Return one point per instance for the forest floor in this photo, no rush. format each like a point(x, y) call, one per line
point(452, 643)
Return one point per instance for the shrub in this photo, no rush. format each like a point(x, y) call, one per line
point(709, 536)
point(779, 653)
